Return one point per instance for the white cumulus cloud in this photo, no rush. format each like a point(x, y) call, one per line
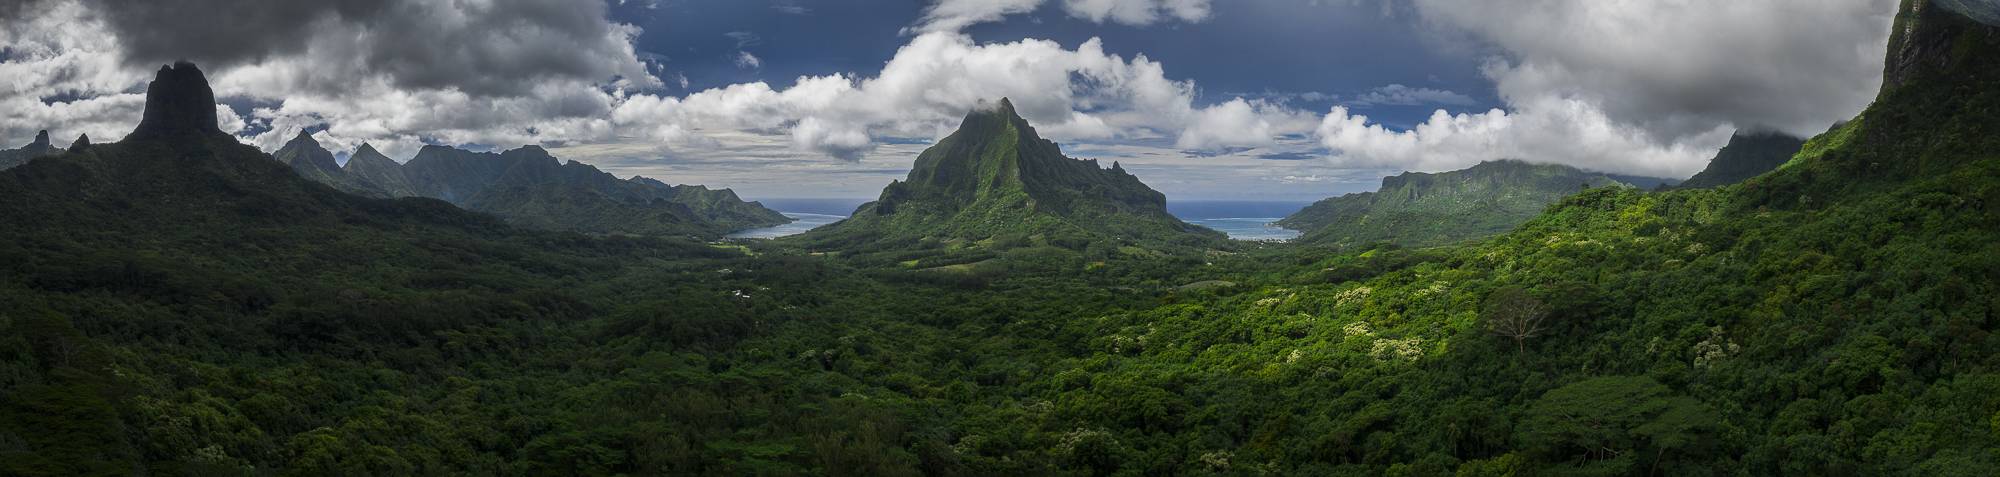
point(930, 83)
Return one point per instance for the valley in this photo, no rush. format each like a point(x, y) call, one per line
point(179, 302)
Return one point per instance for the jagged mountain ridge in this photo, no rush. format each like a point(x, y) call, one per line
point(535, 189)
point(315, 163)
point(529, 187)
point(1416, 208)
point(995, 177)
point(190, 178)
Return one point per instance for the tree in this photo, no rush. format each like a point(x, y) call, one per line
point(1607, 422)
point(1511, 312)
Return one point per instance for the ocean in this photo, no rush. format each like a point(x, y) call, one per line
point(807, 214)
point(1240, 219)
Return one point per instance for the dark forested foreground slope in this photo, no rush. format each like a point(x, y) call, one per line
point(177, 303)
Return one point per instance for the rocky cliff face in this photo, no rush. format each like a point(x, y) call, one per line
point(178, 102)
point(1929, 35)
point(1933, 117)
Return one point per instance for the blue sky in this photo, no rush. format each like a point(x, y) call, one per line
point(1338, 48)
point(1335, 53)
point(1202, 99)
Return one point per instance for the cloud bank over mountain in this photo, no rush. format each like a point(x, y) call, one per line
point(1588, 82)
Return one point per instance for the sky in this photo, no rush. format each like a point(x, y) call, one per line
point(1202, 99)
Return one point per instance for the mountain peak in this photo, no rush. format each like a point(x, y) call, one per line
point(995, 176)
point(41, 145)
point(989, 118)
point(312, 161)
point(82, 141)
point(178, 101)
point(1748, 154)
point(1926, 37)
point(303, 139)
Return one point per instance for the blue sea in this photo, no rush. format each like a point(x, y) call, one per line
point(806, 214)
point(1241, 220)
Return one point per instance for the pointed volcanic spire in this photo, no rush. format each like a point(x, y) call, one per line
point(305, 154)
point(178, 102)
point(40, 146)
point(82, 141)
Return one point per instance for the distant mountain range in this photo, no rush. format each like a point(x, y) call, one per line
point(1416, 208)
point(529, 187)
point(1746, 156)
point(994, 181)
point(1419, 209)
point(177, 175)
point(524, 186)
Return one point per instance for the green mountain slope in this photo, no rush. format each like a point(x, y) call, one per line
point(1416, 208)
point(1833, 317)
point(1746, 156)
point(38, 148)
point(994, 178)
point(1937, 112)
point(536, 190)
point(313, 162)
point(376, 171)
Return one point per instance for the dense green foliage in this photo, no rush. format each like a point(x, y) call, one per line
point(186, 306)
point(1420, 209)
point(1747, 155)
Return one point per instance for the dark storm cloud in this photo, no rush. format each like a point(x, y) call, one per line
point(223, 32)
point(502, 47)
point(1679, 68)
